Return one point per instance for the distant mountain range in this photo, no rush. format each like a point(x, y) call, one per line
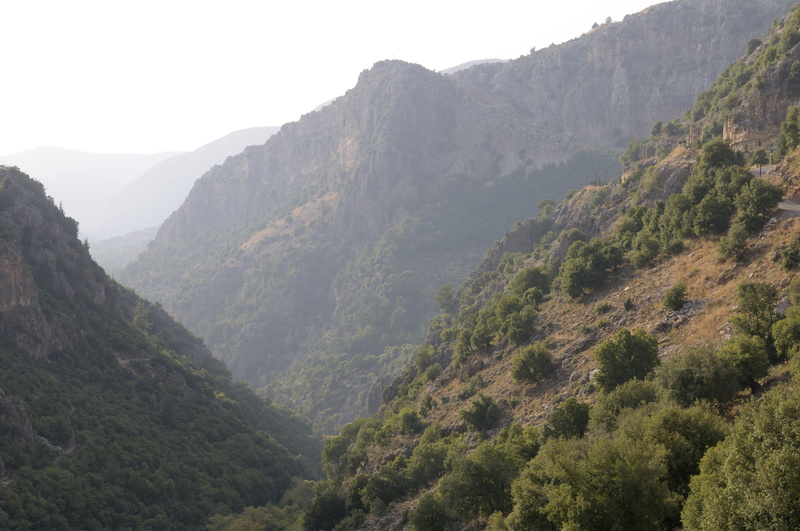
point(158, 191)
point(113, 194)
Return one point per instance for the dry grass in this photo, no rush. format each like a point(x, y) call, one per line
point(711, 286)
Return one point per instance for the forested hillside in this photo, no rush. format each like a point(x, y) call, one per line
point(625, 359)
point(309, 264)
point(112, 415)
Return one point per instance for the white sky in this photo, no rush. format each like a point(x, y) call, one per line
point(115, 76)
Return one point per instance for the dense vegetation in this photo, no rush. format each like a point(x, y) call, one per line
point(652, 448)
point(649, 429)
point(133, 432)
point(118, 428)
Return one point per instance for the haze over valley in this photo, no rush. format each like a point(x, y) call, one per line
point(496, 294)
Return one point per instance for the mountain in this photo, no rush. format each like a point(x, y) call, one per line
point(309, 264)
point(113, 254)
point(149, 199)
point(114, 194)
point(112, 415)
point(82, 181)
point(639, 341)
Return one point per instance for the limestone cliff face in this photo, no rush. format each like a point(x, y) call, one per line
point(35, 249)
point(284, 247)
point(758, 113)
point(50, 289)
point(619, 79)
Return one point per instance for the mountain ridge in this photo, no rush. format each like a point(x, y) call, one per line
point(606, 357)
point(114, 415)
point(408, 162)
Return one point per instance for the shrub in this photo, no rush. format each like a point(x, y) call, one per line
point(630, 395)
point(568, 421)
point(675, 297)
point(482, 415)
point(699, 374)
point(790, 256)
point(748, 355)
point(429, 515)
point(624, 357)
point(734, 244)
point(531, 363)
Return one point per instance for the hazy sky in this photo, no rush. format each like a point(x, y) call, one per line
point(167, 75)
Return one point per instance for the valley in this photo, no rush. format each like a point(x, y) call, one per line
point(555, 292)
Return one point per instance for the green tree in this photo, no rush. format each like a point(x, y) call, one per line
point(717, 153)
point(734, 244)
point(712, 215)
point(748, 355)
point(530, 277)
point(699, 373)
point(569, 420)
point(601, 483)
point(429, 515)
point(757, 312)
point(630, 395)
point(754, 203)
point(624, 357)
point(752, 45)
point(532, 363)
point(685, 434)
point(786, 334)
point(480, 483)
point(482, 415)
point(644, 250)
point(631, 153)
point(545, 207)
point(327, 509)
point(657, 128)
point(789, 135)
point(751, 480)
point(760, 157)
point(587, 265)
point(446, 299)
point(675, 297)
point(790, 256)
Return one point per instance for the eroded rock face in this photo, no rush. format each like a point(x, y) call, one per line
point(39, 253)
point(759, 115)
point(17, 287)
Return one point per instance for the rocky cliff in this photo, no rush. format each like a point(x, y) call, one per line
point(329, 240)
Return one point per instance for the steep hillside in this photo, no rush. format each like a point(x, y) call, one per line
point(111, 414)
point(601, 351)
point(309, 264)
